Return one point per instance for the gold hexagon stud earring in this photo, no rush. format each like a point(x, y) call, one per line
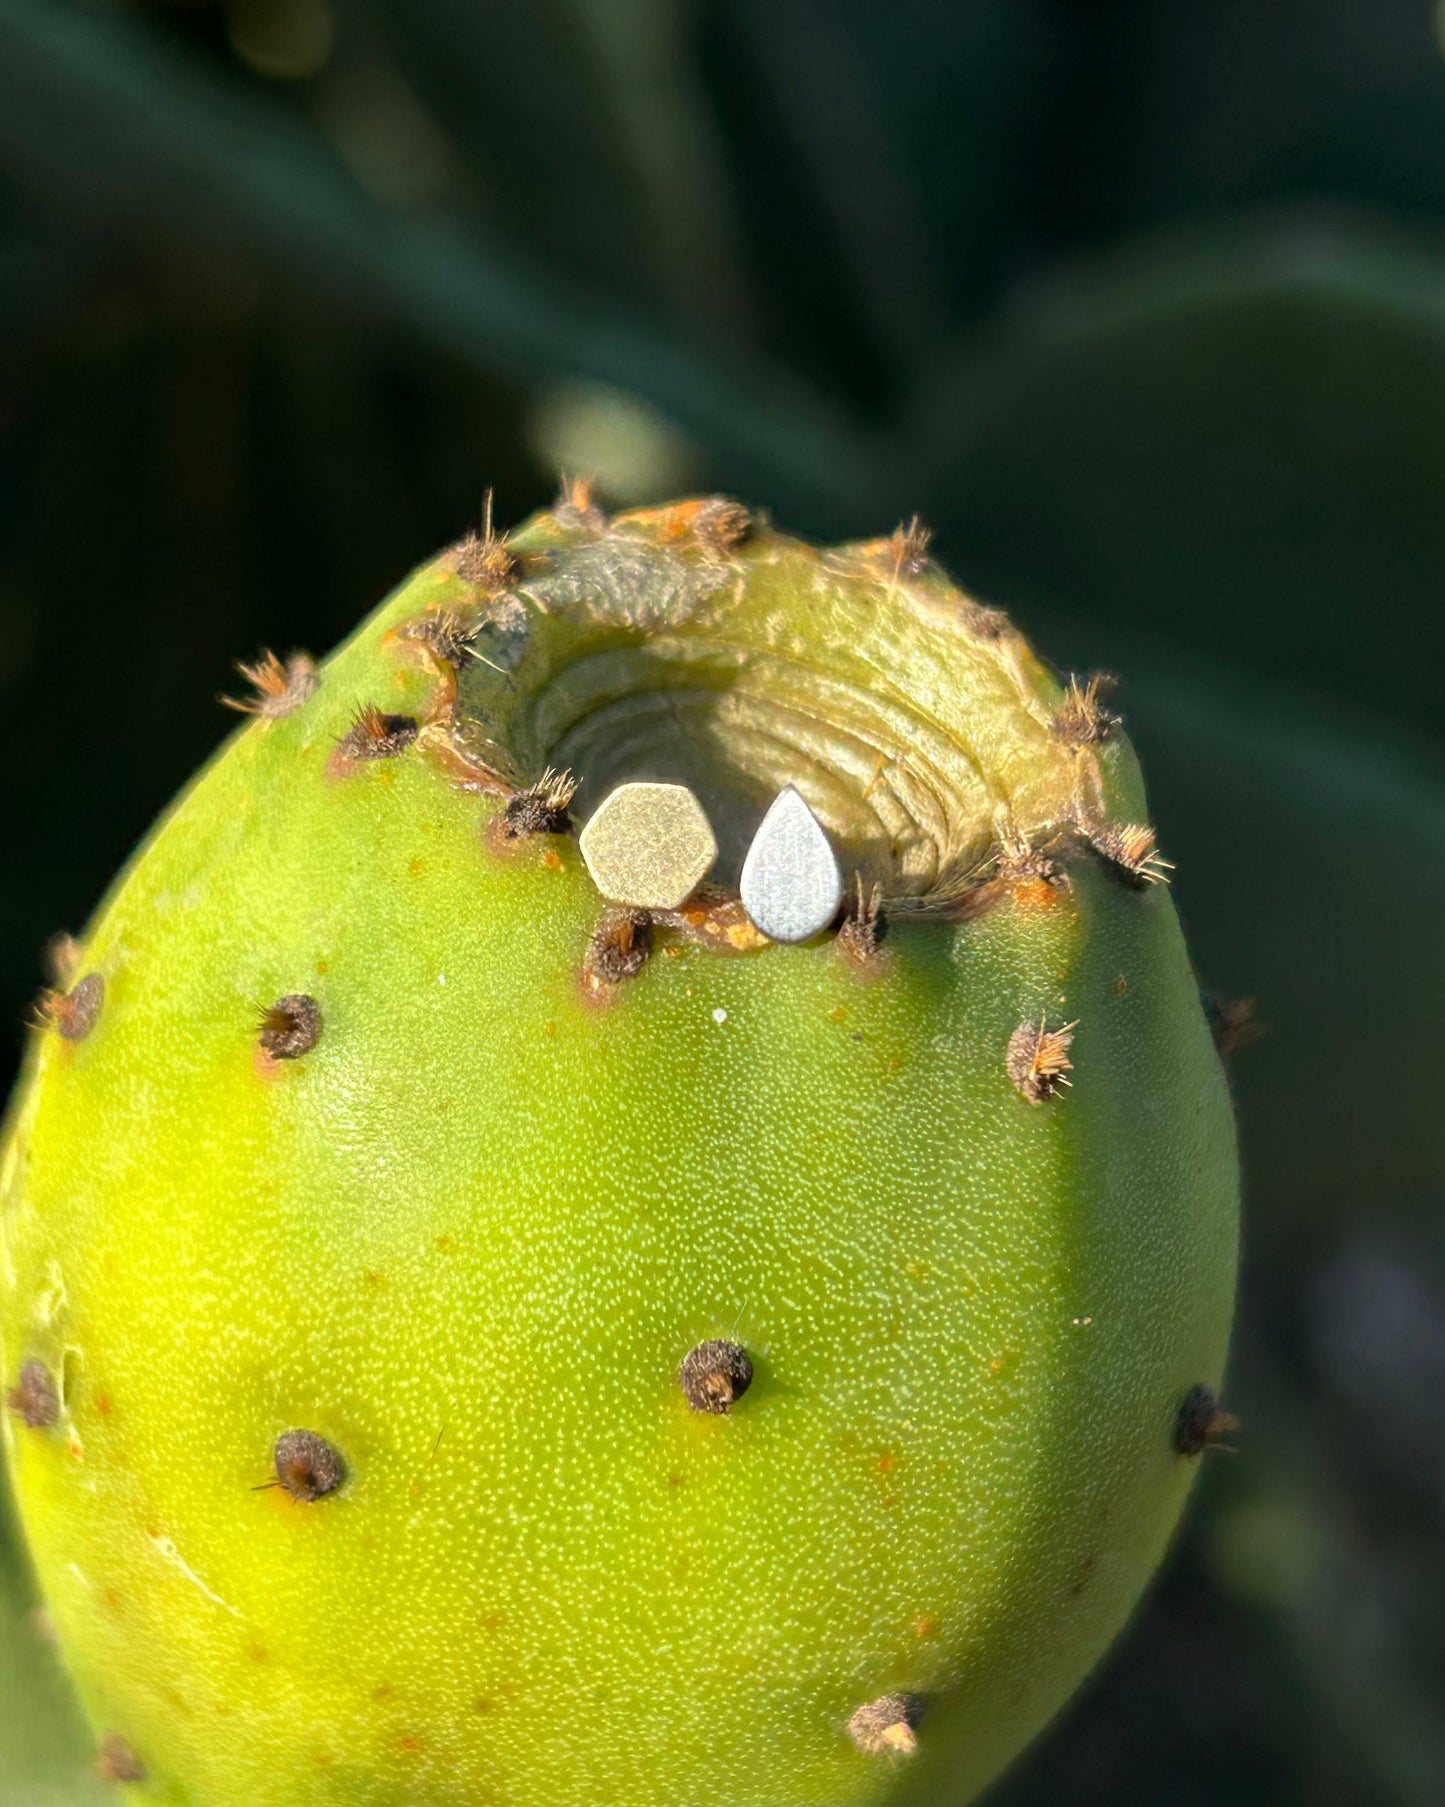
point(648, 845)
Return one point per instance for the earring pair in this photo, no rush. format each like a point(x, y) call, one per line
point(649, 845)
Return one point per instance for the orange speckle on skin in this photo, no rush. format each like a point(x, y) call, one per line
point(323, 966)
point(1121, 985)
point(445, 1243)
point(886, 1463)
point(837, 1014)
point(926, 1627)
point(322, 1760)
point(383, 1691)
point(375, 1280)
point(258, 1655)
point(481, 1706)
point(416, 865)
point(103, 1405)
point(549, 1028)
point(673, 953)
point(1034, 894)
point(552, 860)
point(894, 1062)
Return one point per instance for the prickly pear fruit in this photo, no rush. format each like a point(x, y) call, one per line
point(473, 1339)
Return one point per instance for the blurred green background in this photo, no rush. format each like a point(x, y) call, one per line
point(1140, 302)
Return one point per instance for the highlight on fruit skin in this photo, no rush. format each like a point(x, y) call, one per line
point(482, 1318)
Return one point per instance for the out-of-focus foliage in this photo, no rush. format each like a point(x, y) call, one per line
point(1141, 301)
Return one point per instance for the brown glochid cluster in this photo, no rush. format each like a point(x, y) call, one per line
point(543, 808)
point(1038, 1058)
point(887, 1725)
point(1083, 717)
point(374, 734)
point(73, 1014)
point(908, 548)
point(115, 1761)
point(577, 507)
point(1202, 1422)
point(307, 1466)
point(485, 559)
point(1130, 851)
point(276, 689)
point(715, 1375)
point(865, 923)
point(34, 1398)
point(620, 946)
point(291, 1026)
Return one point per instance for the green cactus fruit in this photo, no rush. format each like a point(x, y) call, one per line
point(473, 1339)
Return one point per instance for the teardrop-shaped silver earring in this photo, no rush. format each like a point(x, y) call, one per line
point(791, 885)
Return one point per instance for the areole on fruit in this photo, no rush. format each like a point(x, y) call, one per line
point(516, 1330)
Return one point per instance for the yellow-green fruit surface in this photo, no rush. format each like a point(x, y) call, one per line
point(469, 1236)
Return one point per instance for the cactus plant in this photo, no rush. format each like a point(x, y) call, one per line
point(473, 1338)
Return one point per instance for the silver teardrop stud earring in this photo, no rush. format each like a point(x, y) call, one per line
point(791, 884)
point(648, 845)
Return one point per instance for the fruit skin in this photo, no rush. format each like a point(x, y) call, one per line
point(468, 1237)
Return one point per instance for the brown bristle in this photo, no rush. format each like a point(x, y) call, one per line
point(115, 1761)
point(575, 506)
point(445, 633)
point(618, 948)
point(1130, 851)
point(1082, 717)
point(374, 734)
point(1018, 861)
point(1202, 1423)
point(1232, 1023)
point(1038, 1058)
point(34, 1398)
point(277, 689)
point(73, 1014)
point(715, 1375)
point(307, 1466)
point(887, 1725)
point(865, 924)
point(291, 1026)
point(543, 807)
point(485, 559)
